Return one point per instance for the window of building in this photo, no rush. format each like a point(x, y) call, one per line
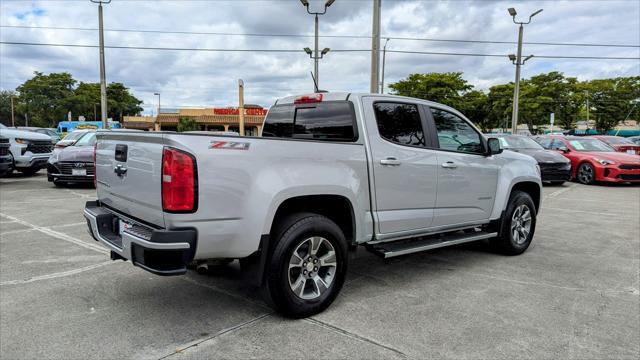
point(399, 123)
point(455, 134)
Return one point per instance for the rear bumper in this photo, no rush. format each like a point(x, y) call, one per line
point(159, 251)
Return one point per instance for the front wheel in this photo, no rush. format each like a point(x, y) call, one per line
point(518, 225)
point(307, 267)
point(586, 174)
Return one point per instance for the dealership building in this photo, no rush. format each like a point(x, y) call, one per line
point(209, 119)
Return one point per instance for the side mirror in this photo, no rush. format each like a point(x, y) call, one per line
point(564, 149)
point(493, 145)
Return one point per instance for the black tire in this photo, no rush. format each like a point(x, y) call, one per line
point(507, 243)
point(586, 174)
point(291, 234)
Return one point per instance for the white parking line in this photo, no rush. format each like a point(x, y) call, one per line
point(559, 191)
point(56, 275)
point(581, 211)
point(58, 235)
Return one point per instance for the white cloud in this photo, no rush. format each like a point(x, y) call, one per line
point(187, 78)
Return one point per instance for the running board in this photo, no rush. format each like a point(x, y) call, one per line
point(403, 247)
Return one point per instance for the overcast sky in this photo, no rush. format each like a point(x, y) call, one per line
point(199, 78)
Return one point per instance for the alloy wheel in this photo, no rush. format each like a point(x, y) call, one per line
point(312, 267)
point(521, 224)
point(585, 174)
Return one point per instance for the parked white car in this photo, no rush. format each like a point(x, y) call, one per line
point(29, 150)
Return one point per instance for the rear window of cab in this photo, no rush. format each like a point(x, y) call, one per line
point(324, 121)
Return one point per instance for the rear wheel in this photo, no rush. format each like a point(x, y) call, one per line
point(307, 267)
point(518, 225)
point(586, 174)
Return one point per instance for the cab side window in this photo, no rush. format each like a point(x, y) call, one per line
point(455, 134)
point(399, 123)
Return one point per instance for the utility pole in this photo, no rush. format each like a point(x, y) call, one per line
point(375, 47)
point(103, 77)
point(518, 63)
point(384, 57)
point(241, 106)
point(316, 55)
point(13, 120)
point(156, 125)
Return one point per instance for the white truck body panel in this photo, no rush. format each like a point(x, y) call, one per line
point(240, 190)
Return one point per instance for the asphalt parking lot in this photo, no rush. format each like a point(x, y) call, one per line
point(574, 294)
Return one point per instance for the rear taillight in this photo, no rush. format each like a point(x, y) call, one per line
point(95, 171)
point(307, 99)
point(179, 186)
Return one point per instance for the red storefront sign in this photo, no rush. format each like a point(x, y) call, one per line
point(235, 111)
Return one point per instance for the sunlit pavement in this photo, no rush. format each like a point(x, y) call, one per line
point(574, 294)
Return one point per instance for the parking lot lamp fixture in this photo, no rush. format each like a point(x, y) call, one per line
point(518, 63)
point(316, 55)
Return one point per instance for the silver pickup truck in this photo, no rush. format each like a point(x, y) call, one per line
point(332, 172)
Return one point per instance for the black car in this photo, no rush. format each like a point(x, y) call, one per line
point(554, 167)
point(6, 161)
point(73, 163)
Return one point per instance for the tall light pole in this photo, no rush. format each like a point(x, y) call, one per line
point(375, 47)
point(241, 107)
point(156, 125)
point(518, 63)
point(384, 57)
point(103, 77)
point(316, 56)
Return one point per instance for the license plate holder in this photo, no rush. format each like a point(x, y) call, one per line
point(79, 172)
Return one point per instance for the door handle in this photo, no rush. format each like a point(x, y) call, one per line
point(120, 170)
point(449, 165)
point(391, 161)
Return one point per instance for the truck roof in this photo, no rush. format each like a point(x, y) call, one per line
point(337, 96)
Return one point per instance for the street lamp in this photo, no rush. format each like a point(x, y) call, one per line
point(103, 76)
point(316, 56)
point(518, 62)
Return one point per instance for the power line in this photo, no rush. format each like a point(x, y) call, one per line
point(323, 36)
point(298, 51)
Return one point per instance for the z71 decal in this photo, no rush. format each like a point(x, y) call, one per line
point(229, 145)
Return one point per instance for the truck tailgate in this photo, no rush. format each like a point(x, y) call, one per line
point(129, 174)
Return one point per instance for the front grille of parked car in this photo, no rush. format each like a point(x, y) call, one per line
point(67, 167)
point(4, 149)
point(4, 141)
point(40, 146)
point(554, 167)
point(629, 167)
point(628, 177)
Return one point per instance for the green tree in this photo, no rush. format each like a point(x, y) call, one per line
point(477, 107)
point(85, 101)
point(500, 99)
point(612, 100)
point(121, 102)
point(44, 97)
point(187, 124)
point(5, 107)
point(445, 88)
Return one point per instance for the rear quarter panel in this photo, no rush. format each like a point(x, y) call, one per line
point(240, 190)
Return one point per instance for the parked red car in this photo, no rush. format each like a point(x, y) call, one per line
point(619, 143)
point(592, 160)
